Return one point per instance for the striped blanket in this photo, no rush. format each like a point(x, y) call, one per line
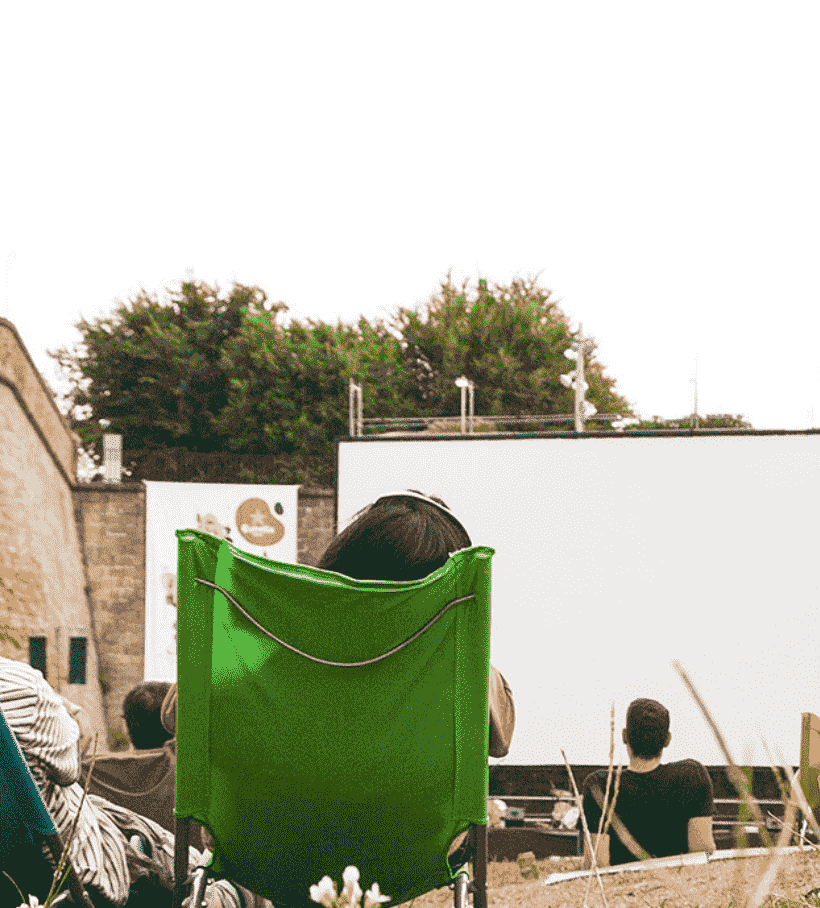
point(106, 856)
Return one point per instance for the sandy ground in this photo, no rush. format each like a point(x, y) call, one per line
point(719, 884)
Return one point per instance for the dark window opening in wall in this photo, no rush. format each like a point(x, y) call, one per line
point(76, 660)
point(37, 654)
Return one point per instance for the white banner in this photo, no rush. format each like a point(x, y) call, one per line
point(261, 519)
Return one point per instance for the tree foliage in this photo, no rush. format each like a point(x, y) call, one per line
point(154, 371)
point(509, 340)
point(710, 421)
point(223, 387)
point(206, 373)
point(289, 385)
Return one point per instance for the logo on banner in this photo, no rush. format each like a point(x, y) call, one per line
point(257, 525)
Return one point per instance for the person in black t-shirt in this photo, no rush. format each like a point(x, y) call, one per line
point(666, 808)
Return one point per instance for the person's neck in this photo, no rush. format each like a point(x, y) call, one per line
point(639, 764)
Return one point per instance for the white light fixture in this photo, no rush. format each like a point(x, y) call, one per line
point(465, 384)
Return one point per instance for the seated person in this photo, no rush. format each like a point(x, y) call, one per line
point(666, 808)
point(141, 711)
point(113, 848)
point(405, 536)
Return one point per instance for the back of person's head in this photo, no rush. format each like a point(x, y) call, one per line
point(647, 728)
point(399, 537)
point(141, 710)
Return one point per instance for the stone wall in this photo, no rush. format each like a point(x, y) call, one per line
point(42, 580)
point(315, 527)
point(111, 524)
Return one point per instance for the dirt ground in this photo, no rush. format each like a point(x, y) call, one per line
point(719, 884)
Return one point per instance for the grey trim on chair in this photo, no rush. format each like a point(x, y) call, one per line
point(298, 652)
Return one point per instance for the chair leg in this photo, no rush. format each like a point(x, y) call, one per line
point(480, 868)
point(198, 890)
point(182, 828)
point(460, 886)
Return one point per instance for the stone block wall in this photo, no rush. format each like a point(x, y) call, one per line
point(111, 524)
point(42, 580)
point(315, 527)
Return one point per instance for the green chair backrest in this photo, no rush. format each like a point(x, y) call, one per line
point(301, 766)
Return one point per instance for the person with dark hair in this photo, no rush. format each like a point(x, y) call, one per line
point(407, 536)
point(141, 711)
point(661, 809)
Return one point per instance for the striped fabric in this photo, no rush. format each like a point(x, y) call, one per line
point(100, 850)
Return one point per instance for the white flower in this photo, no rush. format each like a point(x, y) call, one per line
point(351, 889)
point(324, 893)
point(31, 903)
point(372, 897)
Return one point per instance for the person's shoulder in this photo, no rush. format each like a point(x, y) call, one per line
point(20, 671)
point(597, 775)
point(689, 765)
point(690, 770)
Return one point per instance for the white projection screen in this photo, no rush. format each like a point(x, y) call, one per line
point(617, 554)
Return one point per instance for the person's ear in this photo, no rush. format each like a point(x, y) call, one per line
point(623, 735)
point(668, 738)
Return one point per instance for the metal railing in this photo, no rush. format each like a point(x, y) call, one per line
point(425, 421)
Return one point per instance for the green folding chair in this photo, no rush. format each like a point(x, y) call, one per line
point(25, 825)
point(324, 722)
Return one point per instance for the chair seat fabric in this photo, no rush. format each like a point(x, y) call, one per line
point(300, 769)
point(143, 782)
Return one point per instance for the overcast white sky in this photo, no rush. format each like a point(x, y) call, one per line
point(656, 162)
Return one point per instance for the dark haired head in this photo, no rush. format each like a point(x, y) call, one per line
point(141, 711)
point(400, 537)
point(647, 728)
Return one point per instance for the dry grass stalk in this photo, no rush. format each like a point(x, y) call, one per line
point(587, 836)
point(763, 887)
point(22, 897)
point(62, 871)
point(606, 793)
point(614, 799)
point(735, 775)
point(767, 878)
point(806, 843)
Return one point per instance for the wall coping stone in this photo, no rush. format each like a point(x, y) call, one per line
point(21, 376)
point(100, 486)
point(139, 487)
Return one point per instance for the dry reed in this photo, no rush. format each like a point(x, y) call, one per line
point(587, 836)
point(58, 880)
point(601, 826)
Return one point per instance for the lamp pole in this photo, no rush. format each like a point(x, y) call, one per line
point(465, 384)
point(355, 421)
point(694, 422)
point(579, 347)
point(579, 384)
